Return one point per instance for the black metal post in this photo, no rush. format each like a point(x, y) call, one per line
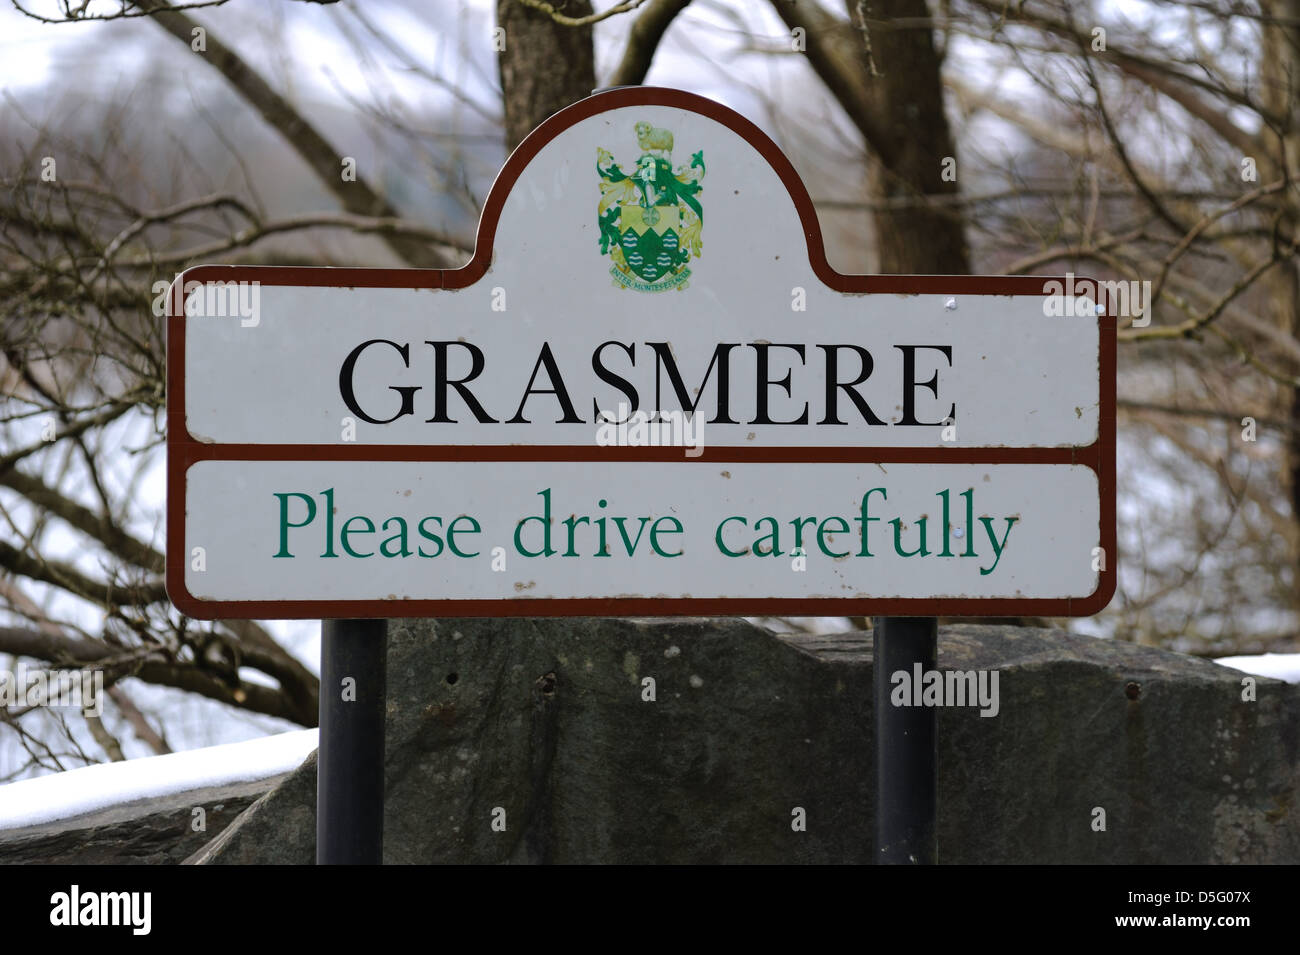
point(905, 742)
point(350, 761)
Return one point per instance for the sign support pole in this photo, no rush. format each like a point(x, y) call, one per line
point(350, 761)
point(905, 742)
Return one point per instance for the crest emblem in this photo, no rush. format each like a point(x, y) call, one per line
point(650, 217)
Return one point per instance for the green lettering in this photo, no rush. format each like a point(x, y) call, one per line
point(630, 545)
point(898, 539)
point(285, 523)
point(400, 536)
point(329, 523)
point(654, 531)
point(451, 535)
point(775, 549)
point(718, 538)
point(997, 548)
point(798, 524)
point(572, 521)
point(348, 529)
point(821, 535)
point(431, 537)
point(545, 520)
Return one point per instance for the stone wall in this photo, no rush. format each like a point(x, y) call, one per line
point(153, 831)
point(545, 719)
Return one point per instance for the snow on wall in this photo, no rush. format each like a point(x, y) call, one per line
point(1279, 666)
point(30, 802)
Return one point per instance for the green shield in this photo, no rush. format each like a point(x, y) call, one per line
point(651, 241)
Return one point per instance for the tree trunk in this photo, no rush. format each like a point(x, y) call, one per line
point(906, 97)
point(1280, 78)
point(544, 67)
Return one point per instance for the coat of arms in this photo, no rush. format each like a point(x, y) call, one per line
point(650, 217)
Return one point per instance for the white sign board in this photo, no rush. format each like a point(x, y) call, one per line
point(646, 393)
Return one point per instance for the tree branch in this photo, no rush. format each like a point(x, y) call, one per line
point(64, 575)
point(838, 64)
point(356, 197)
point(643, 39)
point(626, 6)
point(150, 666)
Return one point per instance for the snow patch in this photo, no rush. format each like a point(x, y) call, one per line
point(1279, 666)
point(30, 802)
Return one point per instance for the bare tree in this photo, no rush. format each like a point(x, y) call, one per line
point(984, 135)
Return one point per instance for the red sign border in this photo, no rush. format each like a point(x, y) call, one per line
point(183, 450)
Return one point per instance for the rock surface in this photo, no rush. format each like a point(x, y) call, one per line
point(545, 719)
point(155, 831)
